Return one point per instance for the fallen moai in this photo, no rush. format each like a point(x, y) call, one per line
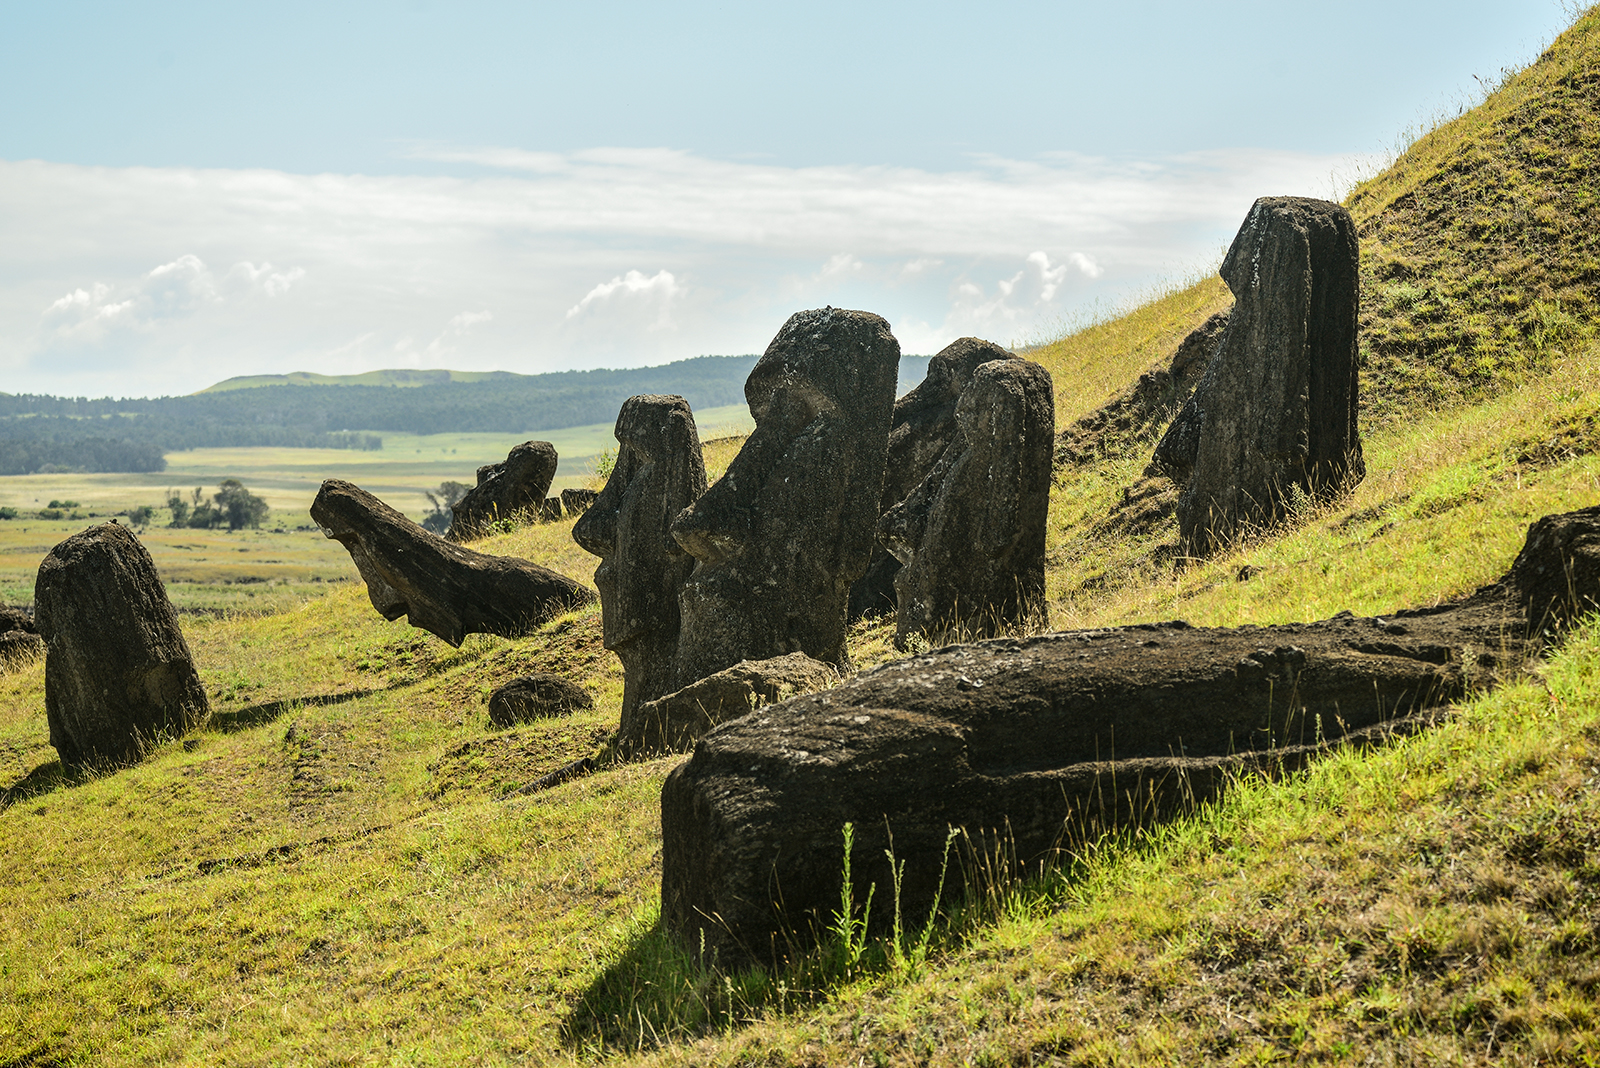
point(780, 538)
point(440, 587)
point(536, 697)
point(971, 535)
point(921, 427)
point(515, 486)
point(659, 472)
point(672, 723)
point(1275, 413)
point(1027, 743)
point(118, 676)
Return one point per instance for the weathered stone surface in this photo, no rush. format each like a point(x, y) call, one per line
point(672, 723)
point(16, 619)
point(516, 486)
point(1134, 415)
point(118, 676)
point(1038, 741)
point(1276, 409)
point(577, 501)
point(780, 538)
point(19, 638)
point(659, 472)
point(971, 535)
point(922, 426)
point(550, 510)
point(442, 588)
point(536, 697)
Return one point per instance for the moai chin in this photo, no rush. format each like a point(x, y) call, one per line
point(1274, 417)
point(659, 472)
point(971, 535)
point(779, 539)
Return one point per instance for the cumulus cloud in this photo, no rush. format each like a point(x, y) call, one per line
point(628, 293)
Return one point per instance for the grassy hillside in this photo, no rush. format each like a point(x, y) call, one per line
point(403, 377)
point(339, 870)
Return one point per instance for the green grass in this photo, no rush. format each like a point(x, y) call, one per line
point(335, 870)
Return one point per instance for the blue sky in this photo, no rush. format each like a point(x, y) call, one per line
point(192, 191)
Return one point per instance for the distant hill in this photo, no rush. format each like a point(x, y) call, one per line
point(394, 377)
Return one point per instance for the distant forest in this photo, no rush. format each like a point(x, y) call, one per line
point(42, 433)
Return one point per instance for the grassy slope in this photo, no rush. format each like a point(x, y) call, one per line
point(378, 900)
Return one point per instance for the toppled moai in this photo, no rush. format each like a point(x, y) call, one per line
point(118, 675)
point(445, 589)
point(921, 427)
point(671, 724)
point(659, 472)
point(1274, 417)
point(1034, 746)
point(971, 535)
point(780, 538)
point(512, 488)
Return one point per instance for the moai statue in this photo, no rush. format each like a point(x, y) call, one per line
point(971, 535)
point(659, 472)
point(923, 424)
point(118, 676)
point(515, 486)
point(1276, 410)
point(782, 535)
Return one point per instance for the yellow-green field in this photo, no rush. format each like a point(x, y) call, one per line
point(400, 472)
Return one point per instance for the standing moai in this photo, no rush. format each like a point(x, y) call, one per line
point(781, 537)
point(118, 676)
point(971, 535)
point(515, 485)
point(923, 424)
point(1276, 409)
point(659, 472)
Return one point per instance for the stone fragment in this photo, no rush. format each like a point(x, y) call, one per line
point(922, 426)
point(1274, 417)
point(515, 487)
point(673, 723)
point(658, 473)
point(971, 535)
point(19, 638)
point(1031, 746)
point(577, 501)
point(780, 538)
point(118, 676)
point(536, 697)
point(442, 588)
point(550, 510)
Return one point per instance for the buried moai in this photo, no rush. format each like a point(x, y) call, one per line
point(515, 486)
point(971, 536)
point(1032, 746)
point(118, 675)
point(921, 427)
point(781, 537)
point(1274, 417)
point(659, 472)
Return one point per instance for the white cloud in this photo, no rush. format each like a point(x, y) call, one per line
point(132, 305)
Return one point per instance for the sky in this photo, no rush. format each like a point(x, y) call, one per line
point(190, 192)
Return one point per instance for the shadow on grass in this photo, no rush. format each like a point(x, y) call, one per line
point(41, 780)
point(242, 719)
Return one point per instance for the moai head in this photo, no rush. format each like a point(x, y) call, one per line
point(782, 535)
point(971, 535)
point(659, 471)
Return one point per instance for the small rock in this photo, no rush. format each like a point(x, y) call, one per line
point(673, 723)
point(536, 697)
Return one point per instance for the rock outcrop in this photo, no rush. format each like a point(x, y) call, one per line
point(673, 723)
point(514, 487)
point(971, 535)
point(921, 427)
point(118, 676)
point(536, 697)
point(1028, 744)
point(1275, 414)
point(440, 587)
point(780, 538)
point(658, 473)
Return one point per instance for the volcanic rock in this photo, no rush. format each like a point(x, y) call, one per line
point(513, 488)
point(536, 697)
point(673, 723)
